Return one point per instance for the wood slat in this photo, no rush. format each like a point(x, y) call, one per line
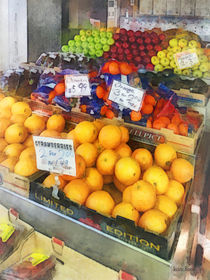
point(173, 7)
point(159, 7)
point(188, 7)
point(146, 7)
point(202, 8)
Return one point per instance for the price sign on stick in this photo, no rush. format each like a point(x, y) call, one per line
point(55, 155)
point(186, 59)
point(127, 96)
point(77, 85)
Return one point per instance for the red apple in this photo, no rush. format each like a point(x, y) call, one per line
point(152, 53)
point(150, 67)
point(116, 36)
point(155, 41)
point(158, 48)
point(141, 47)
point(130, 33)
point(106, 55)
point(129, 57)
point(127, 51)
point(114, 55)
point(125, 45)
point(149, 47)
point(153, 35)
point(162, 37)
point(113, 49)
point(147, 41)
point(120, 57)
point(120, 51)
point(137, 60)
point(123, 31)
point(118, 44)
point(138, 33)
point(142, 53)
point(132, 39)
point(135, 52)
point(145, 34)
point(140, 41)
point(146, 59)
point(134, 46)
point(124, 38)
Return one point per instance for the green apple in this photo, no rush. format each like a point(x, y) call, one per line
point(173, 63)
point(82, 32)
point(78, 44)
point(88, 32)
point(92, 52)
point(186, 72)
point(204, 67)
point(164, 61)
point(158, 67)
point(99, 53)
point(176, 49)
point(197, 74)
point(72, 49)
point(90, 39)
point(79, 50)
point(177, 71)
point(65, 48)
point(173, 43)
point(169, 49)
point(203, 58)
point(84, 45)
point(71, 43)
point(106, 48)
point(193, 44)
point(155, 60)
point(95, 33)
point(83, 38)
point(102, 34)
point(91, 46)
point(85, 51)
point(98, 47)
point(77, 37)
point(170, 55)
point(109, 34)
point(182, 43)
point(161, 54)
point(110, 41)
point(97, 40)
point(206, 75)
point(104, 41)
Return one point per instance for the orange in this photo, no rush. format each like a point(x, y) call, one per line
point(52, 180)
point(147, 109)
point(175, 191)
point(127, 171)
point(166, 205)
point(89, 152)
point(108, 179)
point(127, 211)
point(176, 119)
point(143, 196)
point(183, 129)
point(125, 68)
point(182, 170)
point(26, 167)
point(51, 96)
point(127, 194)
point(99, 124)
point(124, 134)
point(3, 144)
point(110, 136)
point(10, 163)
point(119, 185)
point(106, 162)
point(149, 99)
point(59, 88)
point(7, 102)
point(153, 220)
point(164, 120)
point(94, 179)
point(80, 169)
point(103, 110)
point(35, 124)
point(100, 201)
point(16, 133)
point(109, 114)
point(123, 150)
point(173, 127)
point(77, 190)
point(5, 113)
point(86, 132)
point(98, 146)
point(143, 157)
point(56, 122)
point(4, 124)
point(114, 68)
point(135, 116)
point(50, 133)
point(156, 176)
point(29, 141)
point(164, 155)
point(28, 153)
point(18, 118)
point(2, 156)
point(21, 108)
point(71, 135)
point(14, 150)
point(64, 135)
point(158, 124)
point(100, 91)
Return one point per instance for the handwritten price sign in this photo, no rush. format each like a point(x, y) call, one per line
point(186, 59)
point(77, 85)
point(127, 96)
point(55, 155)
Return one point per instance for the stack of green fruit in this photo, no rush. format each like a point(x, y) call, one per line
point(165, 59)
point(92, 43)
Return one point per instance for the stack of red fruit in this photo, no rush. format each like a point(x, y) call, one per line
point(135, 47)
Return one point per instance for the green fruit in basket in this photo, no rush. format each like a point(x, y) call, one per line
point(204, 67)
point(99, 53)
point(90, 39)
point(88, 32)
point(97, 40)
point(102, 34)
point(193, 44)
point(173, 63)
point(79, 50)
point(91, 46)
point(95, 33)
point(92, 52)
point(155, 60)
point(170, 55)
point(104, 41)
point(82, 32)
point(203, 58)
point(186, 72)
point(158, 67)
point(72, 49)
point(109, 34)
point(98, 46)
point(83, 38)
point(197, 74)
point(78, 44)
point(106, 48)
point(71, 43)
point(77, 37)
point(110, 41)
point(182, 43)
point(86, 51)
point(84, 45)
point(173, 43)
point(65, 48)
point(206, 75)
point(177, 71)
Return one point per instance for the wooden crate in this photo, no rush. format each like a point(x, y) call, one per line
point(188, 98)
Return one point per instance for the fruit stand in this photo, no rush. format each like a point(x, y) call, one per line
point(103, 146)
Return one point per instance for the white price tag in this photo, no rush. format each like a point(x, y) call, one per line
point(77, 85)
point(127, 96)
point(186, 59)
point(55, 155)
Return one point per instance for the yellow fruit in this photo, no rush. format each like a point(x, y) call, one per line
point(52, 180)
point(29, 141)
point(5, 113)
point(156, 176)
point(124, 134)
point(35, 124)
point(108, 179)
point(164, 155)
point(21, 108)
point(153, 220)
point(110, 136)
point(28, 153)
point(100, 201)
point(175, 191)
point(143, 196)
point(4, 124)
point(7, 102)
point(143, 157)
point(106, 162)
point(18, 119)
point(127, 211)
point(10, 163)
point(16, 133)
point(127, 171)
point(77, 190)
point(3, 144)
point(50, 133)
point(119, 185)
point(26, 167)
point(89, 152)
point(86, 132)
point(1, 96)
point(166, 205)
point(71, 135)
point(14, 150)
point(94, 179)
point(123, 150)
point(98, 146)
point(127, 194)
point(99, 124)
point(56, 122)
point(182, 170)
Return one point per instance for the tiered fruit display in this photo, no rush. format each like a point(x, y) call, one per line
point(165, 59)
point(91, 43)
point(151, 187)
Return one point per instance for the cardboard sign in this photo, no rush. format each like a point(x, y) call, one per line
point(77, 85)
point(127, 96)
point(55, 155)
point(186, 59)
